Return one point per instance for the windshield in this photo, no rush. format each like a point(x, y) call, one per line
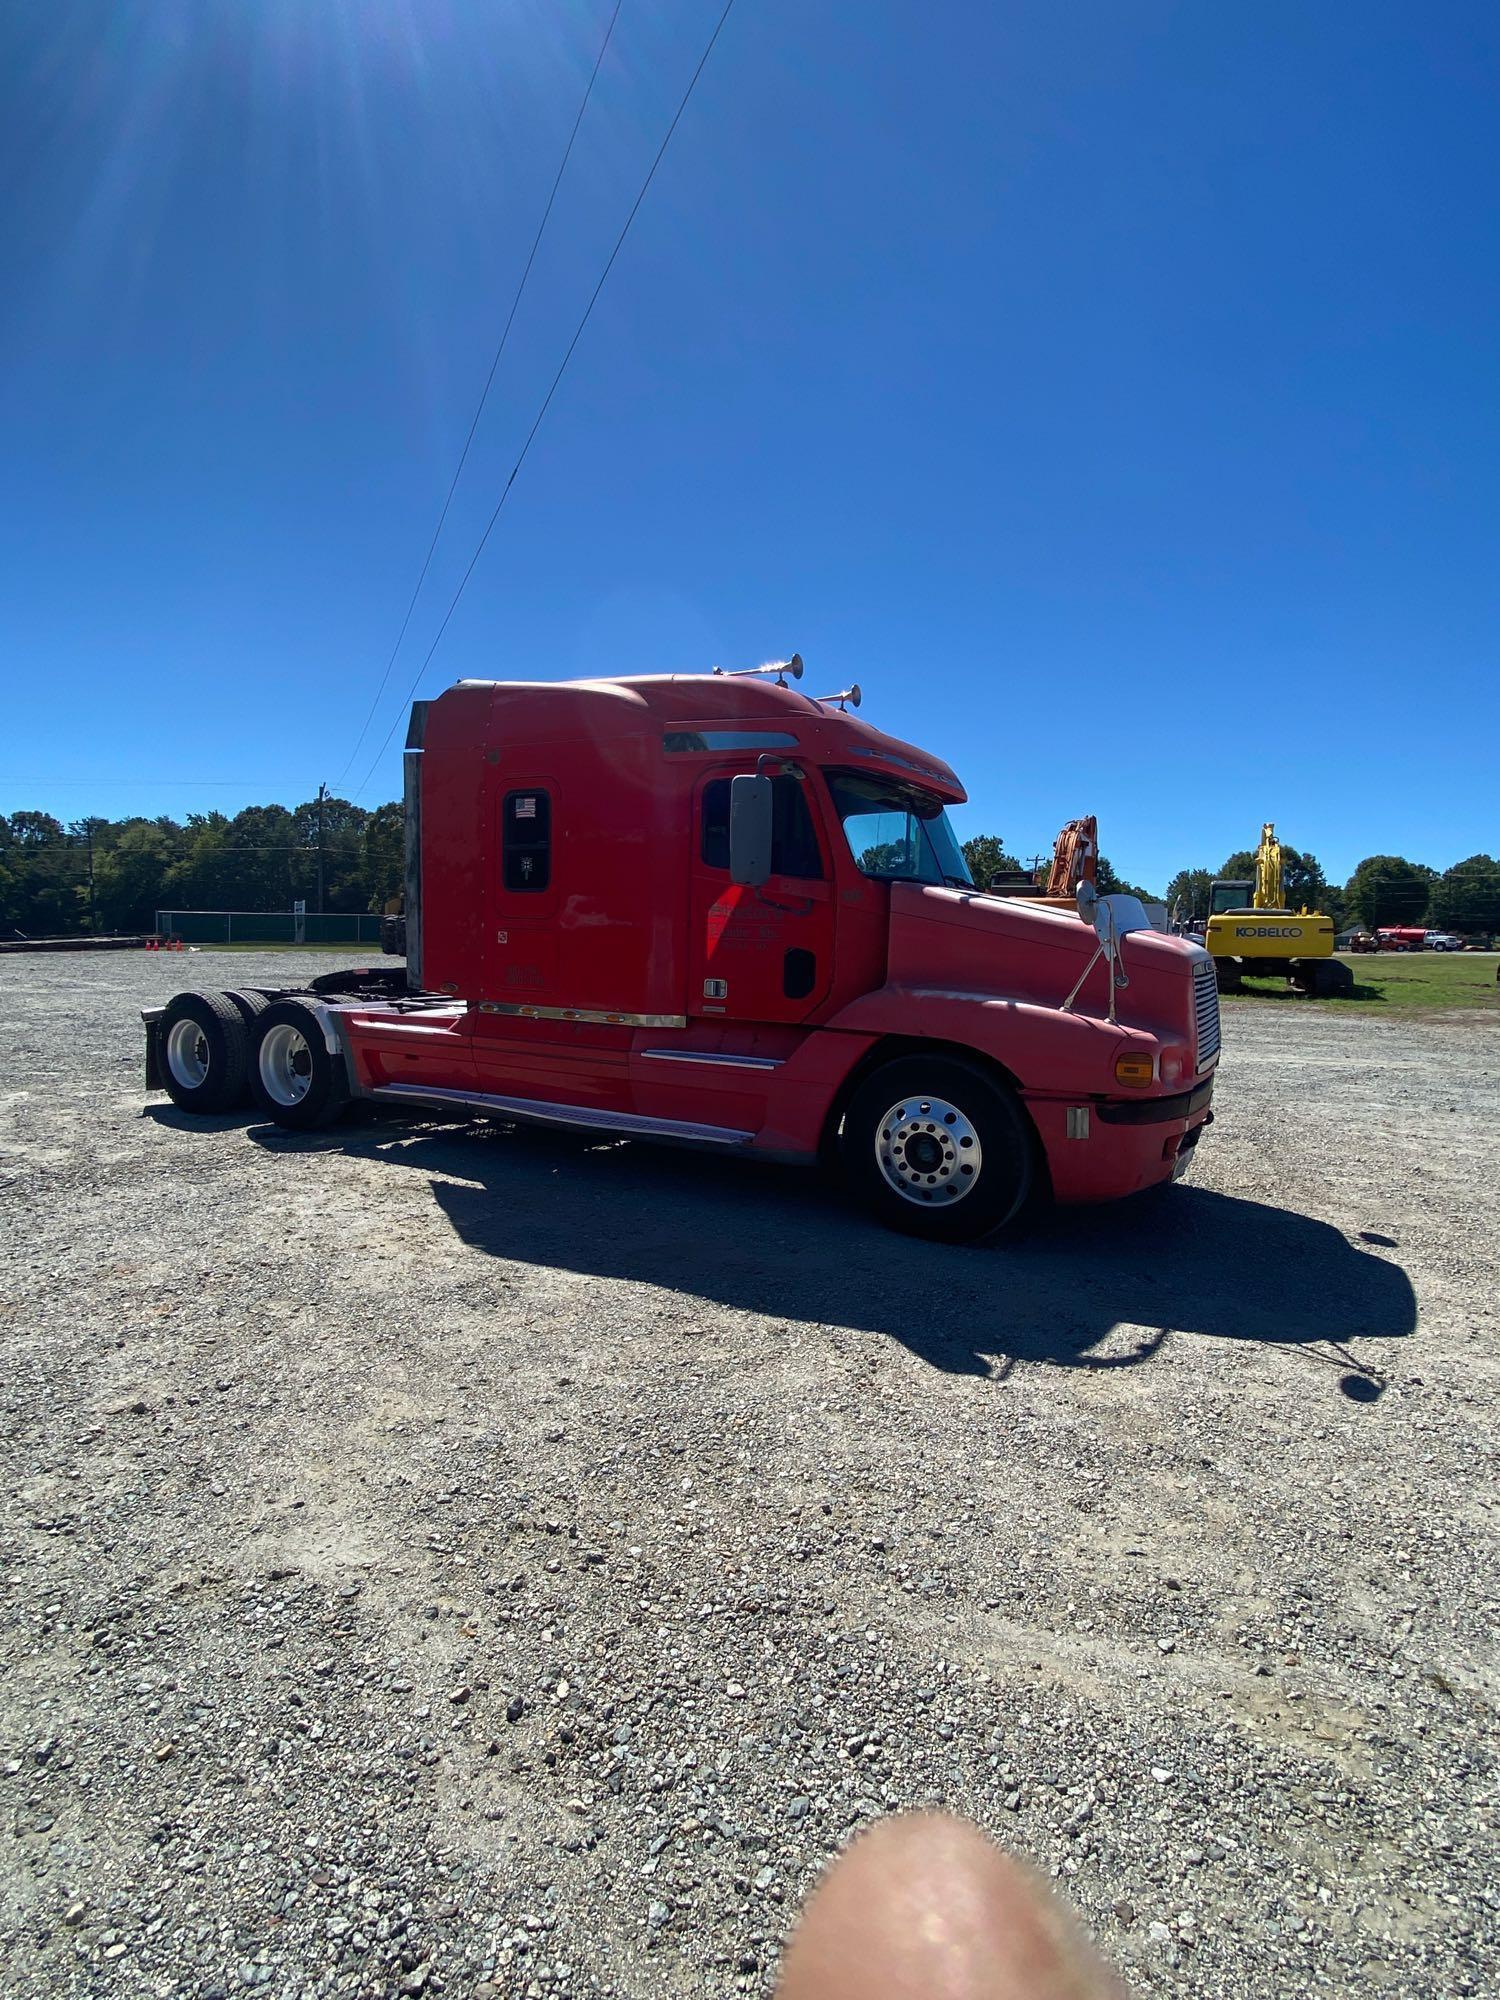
point(1229, 896)
point(896, 832)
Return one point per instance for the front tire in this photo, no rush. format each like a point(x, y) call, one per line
point(203, 1052)
point(936, 1147)
point(294, 1077)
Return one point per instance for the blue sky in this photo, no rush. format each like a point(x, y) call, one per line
point(1110, 390)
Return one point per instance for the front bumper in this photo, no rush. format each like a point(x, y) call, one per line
point(1184, 1104)
point(1106, 1148)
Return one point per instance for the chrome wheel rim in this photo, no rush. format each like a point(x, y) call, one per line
point(928, 1152)
point(285, 1063)
point(187, 1054)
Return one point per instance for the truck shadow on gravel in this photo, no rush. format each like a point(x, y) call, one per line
point(783, 1242)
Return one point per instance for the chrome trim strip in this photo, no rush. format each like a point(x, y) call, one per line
point(386, 1024)
point(628, 1124)
point(725, 1062)
point(593, 1015)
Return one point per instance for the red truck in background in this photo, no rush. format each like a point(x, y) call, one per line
point(713, 910)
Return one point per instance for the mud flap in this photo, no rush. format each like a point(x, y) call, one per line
point(150, 1016)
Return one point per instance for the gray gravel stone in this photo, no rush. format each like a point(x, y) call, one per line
point(321, 1450)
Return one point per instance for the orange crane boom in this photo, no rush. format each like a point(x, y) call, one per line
point(1075, 857)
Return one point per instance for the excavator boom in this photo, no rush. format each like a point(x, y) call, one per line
point(1075, 857)
point(1269, 893)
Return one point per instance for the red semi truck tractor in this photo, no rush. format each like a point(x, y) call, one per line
point(712, 910)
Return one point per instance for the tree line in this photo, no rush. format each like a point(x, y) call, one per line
point(1385, 890)
point(107, 875)
point(114, 875)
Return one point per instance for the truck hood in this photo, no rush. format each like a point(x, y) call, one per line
point(994, 947)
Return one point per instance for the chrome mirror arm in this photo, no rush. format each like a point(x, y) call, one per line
point(1108, 948)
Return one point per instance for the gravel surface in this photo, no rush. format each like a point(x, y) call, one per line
point(452, 1560)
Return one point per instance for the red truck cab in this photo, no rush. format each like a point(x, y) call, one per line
point(713, 910)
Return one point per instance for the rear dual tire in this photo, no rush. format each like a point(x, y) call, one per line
point(295, 1078)
point(217, 1052)
point(203, 1052)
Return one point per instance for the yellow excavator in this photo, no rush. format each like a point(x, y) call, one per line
point(1251, 930)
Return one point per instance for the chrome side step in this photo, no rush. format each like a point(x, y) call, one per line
point(531, 1110)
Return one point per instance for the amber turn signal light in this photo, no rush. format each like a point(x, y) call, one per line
point(1137, 1071)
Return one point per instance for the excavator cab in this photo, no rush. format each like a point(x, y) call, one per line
point(1224, 896)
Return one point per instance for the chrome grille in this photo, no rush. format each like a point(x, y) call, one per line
point(1206, 1010)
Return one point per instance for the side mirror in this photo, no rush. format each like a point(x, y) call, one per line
point(749, 829)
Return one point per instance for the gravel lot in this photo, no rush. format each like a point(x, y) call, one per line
point(447, 1560)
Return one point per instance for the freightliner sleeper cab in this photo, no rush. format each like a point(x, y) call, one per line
point(712, 910)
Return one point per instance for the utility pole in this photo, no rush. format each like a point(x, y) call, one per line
point(322, 794)
point(93, 916)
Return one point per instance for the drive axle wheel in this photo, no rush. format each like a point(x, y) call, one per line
point(203, 1052)
point(250, 1003)
point(294, 1077)
point(936, 1147)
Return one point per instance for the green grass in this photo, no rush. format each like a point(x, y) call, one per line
point(1424, 982)
point(1386, 982)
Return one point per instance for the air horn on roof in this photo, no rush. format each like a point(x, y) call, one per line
point(781, 668)
point(846, 698)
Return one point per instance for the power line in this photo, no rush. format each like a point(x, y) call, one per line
point(484, 394)
point(557, 378)
point(204, 784)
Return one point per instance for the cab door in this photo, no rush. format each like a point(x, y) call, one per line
point(761, 954)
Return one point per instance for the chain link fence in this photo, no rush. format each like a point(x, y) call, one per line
point(268, 927)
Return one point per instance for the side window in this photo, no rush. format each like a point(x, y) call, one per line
point(526, 841)
point(715, 838)
point(794, 841)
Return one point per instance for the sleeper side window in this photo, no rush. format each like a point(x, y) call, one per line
point(526, 841)
point(794, 839)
